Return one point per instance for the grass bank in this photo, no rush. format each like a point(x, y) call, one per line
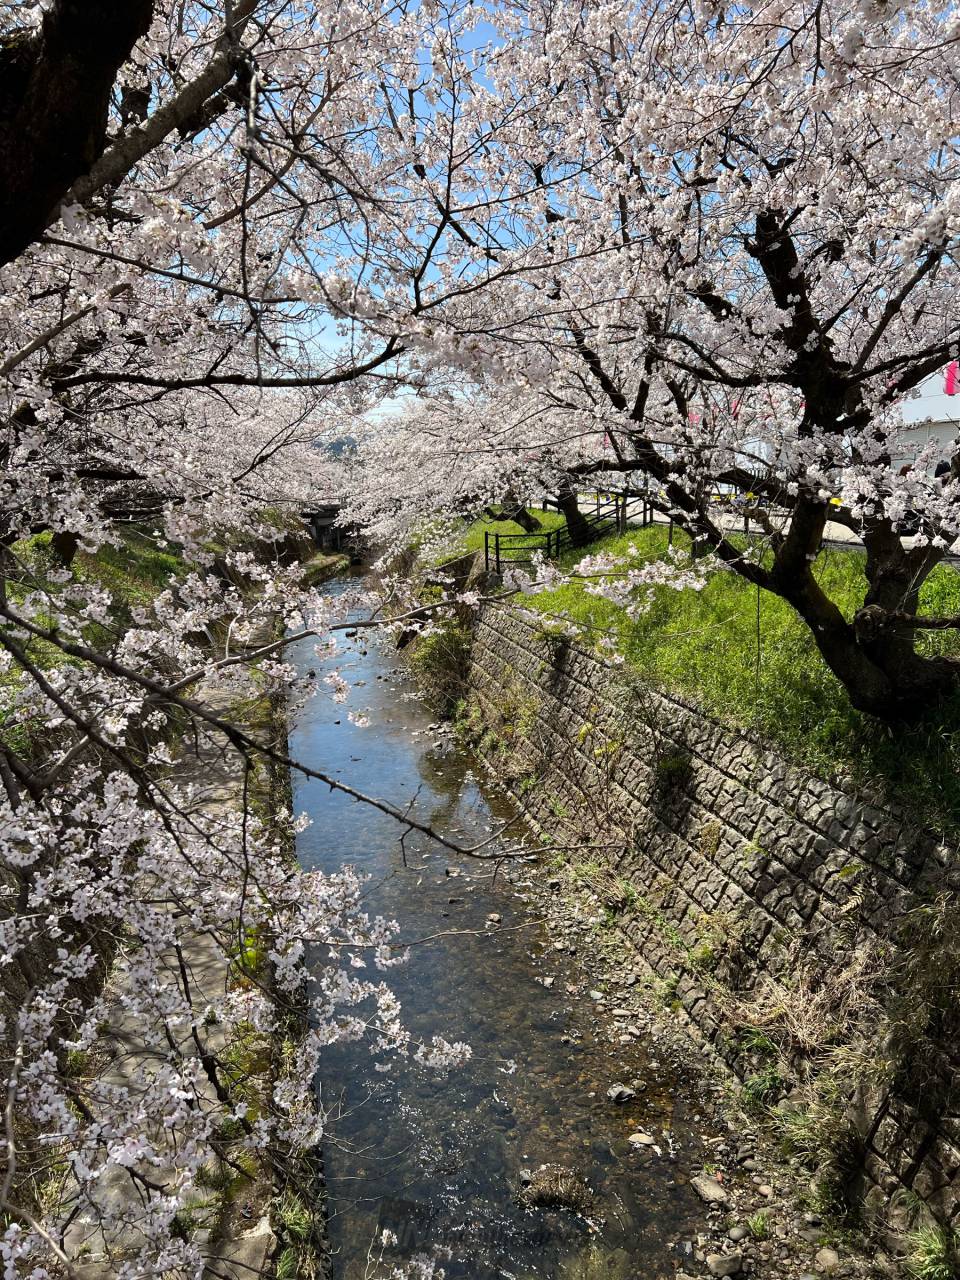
point(436, 544)
point(472, 537)
point(747, 658)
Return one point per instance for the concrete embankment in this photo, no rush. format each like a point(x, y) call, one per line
point(805, 934)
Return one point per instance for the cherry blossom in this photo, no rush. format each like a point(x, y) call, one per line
point(425, 257)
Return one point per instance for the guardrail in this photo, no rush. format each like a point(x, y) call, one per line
point(611, 515)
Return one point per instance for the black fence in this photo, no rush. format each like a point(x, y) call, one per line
point(611, 514)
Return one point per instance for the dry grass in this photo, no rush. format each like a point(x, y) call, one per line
point(555, 1187)
point(812, 1011)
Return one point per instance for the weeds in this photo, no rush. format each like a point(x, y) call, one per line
point(672, 772)
point(288, 1263)
point(933, 1253)
point(703, 957)
point(439, 661)
point(753, 1040)
point(294, 1216)
point(759, 1224)
point(762, 1089)
point(665, 992)
point(819, 1134)
point(709, 840)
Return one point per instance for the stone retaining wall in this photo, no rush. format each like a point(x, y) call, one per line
point(770, 905)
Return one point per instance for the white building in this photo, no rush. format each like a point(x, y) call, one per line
point(934, 413)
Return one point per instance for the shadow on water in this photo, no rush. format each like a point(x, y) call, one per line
point(438, 1161)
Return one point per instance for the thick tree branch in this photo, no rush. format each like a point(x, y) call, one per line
point(136, 379)
point(115, 163)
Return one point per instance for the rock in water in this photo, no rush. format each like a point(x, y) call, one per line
point(709, 1189)
point(620, 1093)
point(553, 1186)
point(724, 1264)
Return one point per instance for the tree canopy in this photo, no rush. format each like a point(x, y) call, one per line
point(691, 246)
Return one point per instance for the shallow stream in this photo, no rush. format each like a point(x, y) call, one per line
point(440, 1162)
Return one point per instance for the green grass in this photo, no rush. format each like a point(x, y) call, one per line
point(472, 538)
point(933, 1253)
point(295, 1216)
point(134, 573)
point(761, 1089)
point(750, 661)
point(759, 1224)
point(440, 541)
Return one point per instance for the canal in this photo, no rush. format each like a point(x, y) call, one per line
point(441, 1163)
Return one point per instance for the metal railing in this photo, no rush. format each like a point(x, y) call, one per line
point(610, 515)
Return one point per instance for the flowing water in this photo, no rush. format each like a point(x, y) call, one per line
point(439, 1162)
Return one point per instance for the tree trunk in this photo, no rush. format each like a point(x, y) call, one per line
point(874, 656)
point(514, 509)
point(65, 543)
point(577, 526)
point(881, 671)
point(55, 90)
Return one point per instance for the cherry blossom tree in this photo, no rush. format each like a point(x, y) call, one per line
point(678, 244)
point(203, 207)
point(734, 260)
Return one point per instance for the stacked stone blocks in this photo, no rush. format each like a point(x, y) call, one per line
point(721, 839)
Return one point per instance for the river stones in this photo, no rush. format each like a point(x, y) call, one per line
point(621, 1093)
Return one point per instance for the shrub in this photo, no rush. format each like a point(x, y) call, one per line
point(439, 661)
